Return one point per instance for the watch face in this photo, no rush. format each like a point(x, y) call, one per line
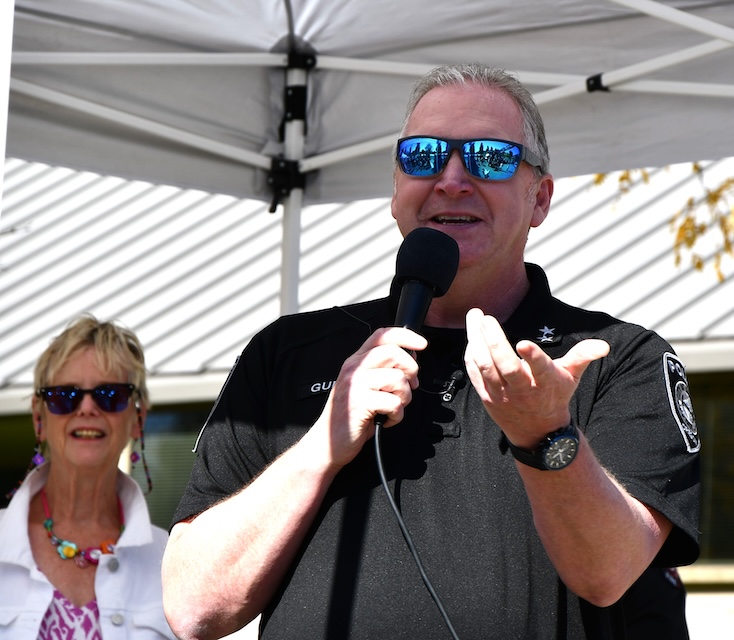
point(560, 452)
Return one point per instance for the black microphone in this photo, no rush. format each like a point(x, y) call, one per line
point(426, 265)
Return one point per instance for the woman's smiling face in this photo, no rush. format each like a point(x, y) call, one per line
point(87, 437)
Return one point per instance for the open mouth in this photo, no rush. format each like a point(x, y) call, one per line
point(87, 434)
point(454, 219)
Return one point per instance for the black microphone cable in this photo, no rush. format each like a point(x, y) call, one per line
point(426, 265)
point(379, 423)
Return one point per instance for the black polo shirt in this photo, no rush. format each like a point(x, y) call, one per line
point(459, 492)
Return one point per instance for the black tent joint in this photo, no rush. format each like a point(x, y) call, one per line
point(295, 103)
point(594, 83)
point(296, 96)
point(297, 60)
point(294, 108)
point(283, 177)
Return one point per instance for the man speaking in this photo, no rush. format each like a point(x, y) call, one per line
point(538, 454)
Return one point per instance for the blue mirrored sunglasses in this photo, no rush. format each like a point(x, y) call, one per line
point(486, 159)
point(64, 399)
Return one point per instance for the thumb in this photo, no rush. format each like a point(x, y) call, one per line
point(581, 355)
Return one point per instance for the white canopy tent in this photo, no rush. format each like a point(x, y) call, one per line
point(299, 101)
point(6, 42)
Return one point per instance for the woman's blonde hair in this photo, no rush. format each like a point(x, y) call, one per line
point(116, 348)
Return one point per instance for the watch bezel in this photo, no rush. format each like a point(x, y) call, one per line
point(568, 436)
point(537, 458)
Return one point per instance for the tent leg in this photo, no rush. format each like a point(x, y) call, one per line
point(291, 252)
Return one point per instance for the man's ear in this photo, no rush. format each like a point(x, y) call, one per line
point(543, 195)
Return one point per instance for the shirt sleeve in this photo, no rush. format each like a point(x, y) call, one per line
point(636, 412)
point(229, 450)
point(273, 395)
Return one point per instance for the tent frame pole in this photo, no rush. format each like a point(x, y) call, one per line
point(294, 144)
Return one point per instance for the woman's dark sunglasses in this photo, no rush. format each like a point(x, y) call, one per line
point(64, 399)
point(486, 159)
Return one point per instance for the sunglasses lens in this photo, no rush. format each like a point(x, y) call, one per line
point(491, 159)
point(112, 397)
point(60, 400)
point(422, 156)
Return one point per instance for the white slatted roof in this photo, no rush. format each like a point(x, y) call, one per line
point(197, 274)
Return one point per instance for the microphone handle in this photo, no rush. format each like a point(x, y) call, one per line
point(415, 298)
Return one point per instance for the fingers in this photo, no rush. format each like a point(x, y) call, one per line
point(399, 336)
point(385, 352)
point(488, 352)
point(378, 379)
point(384, 367)
point(584, 353)
point(575, 362)
point(494, 355)
point(524, 390)
point(385, 391)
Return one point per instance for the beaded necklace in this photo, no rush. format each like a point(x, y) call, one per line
point(67, 549)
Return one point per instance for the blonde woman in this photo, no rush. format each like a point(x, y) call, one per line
point(79, 557)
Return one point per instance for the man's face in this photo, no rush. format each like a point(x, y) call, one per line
point(489, 220)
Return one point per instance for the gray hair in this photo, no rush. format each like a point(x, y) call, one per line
point(489, 77)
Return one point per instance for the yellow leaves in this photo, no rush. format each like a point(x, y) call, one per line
point(626, 179)
point(709, 217)
point(717, 268)
point(726, 226)
point(688, 232)
point(700, 217)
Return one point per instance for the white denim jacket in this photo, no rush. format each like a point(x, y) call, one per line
point(127, 584)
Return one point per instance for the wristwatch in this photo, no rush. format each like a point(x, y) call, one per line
point(557, 450)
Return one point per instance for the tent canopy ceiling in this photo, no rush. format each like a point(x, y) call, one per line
point(192, 93)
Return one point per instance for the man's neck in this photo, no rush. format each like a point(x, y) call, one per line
point(498, 297)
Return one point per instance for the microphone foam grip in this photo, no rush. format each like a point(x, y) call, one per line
point(429, 256)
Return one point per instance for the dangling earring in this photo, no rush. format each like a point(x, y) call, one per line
point(136, 457)
point(38, 458)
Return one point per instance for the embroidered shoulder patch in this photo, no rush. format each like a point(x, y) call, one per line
point(680, 401)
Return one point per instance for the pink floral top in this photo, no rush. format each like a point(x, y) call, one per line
point(66, 621)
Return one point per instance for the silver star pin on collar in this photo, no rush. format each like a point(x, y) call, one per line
point(546, 334)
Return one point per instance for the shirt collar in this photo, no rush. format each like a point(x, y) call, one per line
point(15, 549)
point(536, 318)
